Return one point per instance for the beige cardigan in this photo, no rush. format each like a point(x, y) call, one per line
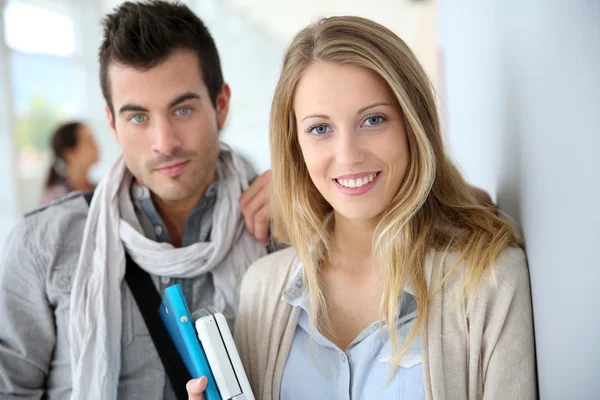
point(487, 354)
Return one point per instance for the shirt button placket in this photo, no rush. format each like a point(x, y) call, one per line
point(348, 374)
point(165, 280)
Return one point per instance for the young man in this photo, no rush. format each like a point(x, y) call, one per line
point(69, 326)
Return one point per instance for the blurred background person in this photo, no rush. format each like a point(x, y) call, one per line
point(74, 152)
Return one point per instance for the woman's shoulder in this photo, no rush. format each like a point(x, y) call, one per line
point(262, 290)
point(508, 271)
point(272, 270)
point(509, 262)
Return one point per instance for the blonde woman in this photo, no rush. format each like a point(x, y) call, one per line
point(398, 283)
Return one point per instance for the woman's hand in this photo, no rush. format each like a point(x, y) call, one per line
point(196, 387)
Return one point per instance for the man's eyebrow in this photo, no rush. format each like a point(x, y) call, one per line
point(131, 107)
point(184, 97)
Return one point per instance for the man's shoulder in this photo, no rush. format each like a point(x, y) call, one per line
point(45, 242)
point(59, 223)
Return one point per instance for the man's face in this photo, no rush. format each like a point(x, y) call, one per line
point(167, 126)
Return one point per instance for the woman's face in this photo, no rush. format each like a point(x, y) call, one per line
point(85, 153)
point(351, 132)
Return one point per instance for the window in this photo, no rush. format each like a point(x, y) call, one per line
point(41, 45)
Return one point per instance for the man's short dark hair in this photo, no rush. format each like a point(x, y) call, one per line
point(143, 34)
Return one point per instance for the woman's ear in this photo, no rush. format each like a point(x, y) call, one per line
point(69, 156)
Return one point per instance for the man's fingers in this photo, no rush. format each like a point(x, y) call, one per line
point(254, 199)
point(256, 187)
point(256, 215)
point(196, 388)
point(482, 196)
point(257, 204)
point(261, 225)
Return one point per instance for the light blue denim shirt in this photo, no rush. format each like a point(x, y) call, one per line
point(324, 371)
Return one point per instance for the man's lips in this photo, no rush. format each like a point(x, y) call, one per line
point(172, 169)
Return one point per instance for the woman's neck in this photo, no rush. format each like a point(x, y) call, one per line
point(351, 282)
point(78, 179)
point(352, 242)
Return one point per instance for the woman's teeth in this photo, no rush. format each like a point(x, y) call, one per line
point(356, 183)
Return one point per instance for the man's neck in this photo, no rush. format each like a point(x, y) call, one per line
point(176, 213)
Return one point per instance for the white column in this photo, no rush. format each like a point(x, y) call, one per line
point(8, 183)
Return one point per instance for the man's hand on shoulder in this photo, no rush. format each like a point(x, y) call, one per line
point(483, 197)
point(255, 207)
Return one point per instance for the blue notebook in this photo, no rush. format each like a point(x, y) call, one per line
point(176, 316)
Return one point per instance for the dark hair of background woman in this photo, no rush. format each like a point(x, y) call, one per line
point(64, 138)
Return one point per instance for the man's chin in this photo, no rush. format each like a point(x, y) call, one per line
point(171, 192)
point(174, 189)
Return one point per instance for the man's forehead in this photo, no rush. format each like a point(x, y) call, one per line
point(158, 84)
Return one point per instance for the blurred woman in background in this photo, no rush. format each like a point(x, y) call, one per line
point(74, 151)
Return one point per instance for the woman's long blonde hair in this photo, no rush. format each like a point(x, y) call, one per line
point(433, 210)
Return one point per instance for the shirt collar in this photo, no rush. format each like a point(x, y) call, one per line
point(198, 222)
point(296, 292)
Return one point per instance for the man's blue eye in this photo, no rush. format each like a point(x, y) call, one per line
point(183, 111)
point(139, 119)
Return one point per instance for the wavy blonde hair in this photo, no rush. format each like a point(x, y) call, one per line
point(434, 208)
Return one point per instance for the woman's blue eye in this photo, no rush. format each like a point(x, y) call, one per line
point(374, 120)
point(319, 129)
point(183, 111)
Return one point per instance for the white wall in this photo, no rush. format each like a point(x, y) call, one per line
point(523, 84)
